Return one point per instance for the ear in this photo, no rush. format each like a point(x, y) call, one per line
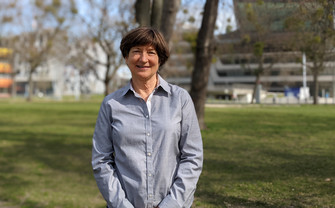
point(126, 60)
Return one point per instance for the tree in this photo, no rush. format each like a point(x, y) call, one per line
point(313, 24)
point(83, 68)
point(8, 12)
point(147, 14)
point(156, 13)
point(151, 15)
point(170, 9)
point(142, 12)
point(38, 33)
point(259, 22)
point(99, 50)
point(203, 59)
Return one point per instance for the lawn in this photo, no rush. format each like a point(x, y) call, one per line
point(259, 156)
point(269, 156)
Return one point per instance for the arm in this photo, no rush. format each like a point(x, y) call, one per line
point(103, 161)
point(191, 159)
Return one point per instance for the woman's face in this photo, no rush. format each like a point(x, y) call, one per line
point(143, 62)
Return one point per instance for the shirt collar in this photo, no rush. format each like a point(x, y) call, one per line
point(127, 88)
point(161, 83)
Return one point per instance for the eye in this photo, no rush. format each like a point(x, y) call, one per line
point(152, 52)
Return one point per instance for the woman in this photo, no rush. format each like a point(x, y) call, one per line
point(147, 146)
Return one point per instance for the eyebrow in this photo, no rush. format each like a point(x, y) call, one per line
point(139, 48)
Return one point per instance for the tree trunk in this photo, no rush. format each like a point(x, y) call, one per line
point(156, 13)
point(203, 59)
point(106, 81)
point(30, 85)
point(13, 92)
point(258, 78)
point(170, 9)
point(168, 19)
point(142, 12)
point(112, 76)
point(316, 86)
point(109, 78)
point(258, 73)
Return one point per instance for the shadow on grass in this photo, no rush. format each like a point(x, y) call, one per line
point(55, 151)
point(43, 159)
point(217, 200)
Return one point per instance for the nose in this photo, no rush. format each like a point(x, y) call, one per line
point(144, 57)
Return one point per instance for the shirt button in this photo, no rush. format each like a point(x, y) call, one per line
point(149, 153)
point(147, 116)
point(148, 134)
point(149, 175)
point(150, 196)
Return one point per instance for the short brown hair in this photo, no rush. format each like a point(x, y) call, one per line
point(142, 36)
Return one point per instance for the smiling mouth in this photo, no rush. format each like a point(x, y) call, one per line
point(142, 67)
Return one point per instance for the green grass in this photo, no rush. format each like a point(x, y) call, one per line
point(269, 157)
point(261, 156)
point(45, 152)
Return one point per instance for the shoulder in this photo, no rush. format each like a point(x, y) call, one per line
point(116, 95)
point(174, 90)
point(180, 94)
point(179, 91)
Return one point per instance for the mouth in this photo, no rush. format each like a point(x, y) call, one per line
point(142, 67)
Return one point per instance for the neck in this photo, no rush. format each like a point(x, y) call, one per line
point(145, 87)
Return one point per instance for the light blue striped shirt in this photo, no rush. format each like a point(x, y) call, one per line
point(143, 159)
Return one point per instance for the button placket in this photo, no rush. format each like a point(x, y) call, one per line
point(149, 158)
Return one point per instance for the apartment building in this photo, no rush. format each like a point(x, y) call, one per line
point(6, 72)
point(232, 74)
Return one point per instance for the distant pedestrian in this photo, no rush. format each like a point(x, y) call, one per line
point(147, 147)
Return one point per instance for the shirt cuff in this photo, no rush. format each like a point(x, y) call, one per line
point(168, 202)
